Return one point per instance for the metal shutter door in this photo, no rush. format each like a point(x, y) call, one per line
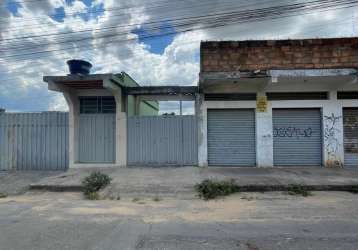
point(350, 123)
point(231, 137)
point(297, 137)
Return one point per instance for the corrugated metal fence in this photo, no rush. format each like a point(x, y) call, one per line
point(34, 141)
point(162, 140)
point(97, 138)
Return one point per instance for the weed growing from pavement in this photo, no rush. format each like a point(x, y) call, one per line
point(211, 189)
point(93, 196)
point(298, 190)
point(354, 190)
point(93, 183)
point(157, 199)
point(2, 195)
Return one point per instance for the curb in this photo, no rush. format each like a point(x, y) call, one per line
point(57, 188)
point(287, 187)
point(243, 188)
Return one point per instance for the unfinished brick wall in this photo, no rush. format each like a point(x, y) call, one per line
point(279, 54)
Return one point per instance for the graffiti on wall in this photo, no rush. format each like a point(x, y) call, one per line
point(292, 132)
point(331, 133)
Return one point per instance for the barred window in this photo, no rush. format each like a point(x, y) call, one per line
point(97, 104)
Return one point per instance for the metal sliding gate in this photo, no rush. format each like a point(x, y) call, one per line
point(162, 140)
point(97, 135)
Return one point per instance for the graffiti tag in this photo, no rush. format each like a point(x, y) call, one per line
point(331, 132)
point(292, 132)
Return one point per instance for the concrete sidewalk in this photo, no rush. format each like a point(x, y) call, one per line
point(179, 181)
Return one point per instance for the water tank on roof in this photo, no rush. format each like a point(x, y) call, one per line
point(79, 67)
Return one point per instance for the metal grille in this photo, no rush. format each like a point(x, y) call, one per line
point(162, 140)
point(97, 138)
point(297, 137)
point(34, 141)
point(297, 96)
point(347, 95)
point(231, 97)
point(231, 137)
point(97, 104)
point(350, 123)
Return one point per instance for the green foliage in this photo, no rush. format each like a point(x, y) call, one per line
point(354, 190)
point(93, 183)
point(210, 189)
point(2, 195)
point(298, 190)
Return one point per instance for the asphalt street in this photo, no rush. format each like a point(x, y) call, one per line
point(326, 220)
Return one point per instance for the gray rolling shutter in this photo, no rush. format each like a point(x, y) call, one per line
point(297, 137)
point(231, 137)
point(350, 123)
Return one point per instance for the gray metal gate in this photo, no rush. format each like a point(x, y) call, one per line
point(162, 140)
point(34, 141)
point(297, 137)
point(97, 138)
point(350, 123)
point(231, 137)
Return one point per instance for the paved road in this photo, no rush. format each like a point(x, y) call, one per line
point(245, 221)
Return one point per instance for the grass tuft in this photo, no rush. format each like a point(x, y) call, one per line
point(93, 183)
point(211, 189)
point(354, 190)
point(298, 190)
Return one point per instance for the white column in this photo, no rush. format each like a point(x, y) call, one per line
point(73, 130)
point(264, 137)
point(121, 123)
point(333, 146)
point(201, 113)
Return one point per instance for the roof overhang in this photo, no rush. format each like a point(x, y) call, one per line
point(94, 81)
point(161, 90)
point(258, 79)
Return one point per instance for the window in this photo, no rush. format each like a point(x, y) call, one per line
point(277, 96)
point(97, 104)
point(347, 95)
point(231, 97)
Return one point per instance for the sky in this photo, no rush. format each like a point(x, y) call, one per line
point(144, 38)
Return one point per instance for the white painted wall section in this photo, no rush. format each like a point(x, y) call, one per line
point(264, 138)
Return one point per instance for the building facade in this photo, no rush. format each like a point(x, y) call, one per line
point(279, 103)
point(258, 103)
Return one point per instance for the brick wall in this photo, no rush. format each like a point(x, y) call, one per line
point(280, 54)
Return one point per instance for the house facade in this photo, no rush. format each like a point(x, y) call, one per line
point(279, 103)
point(98, 111)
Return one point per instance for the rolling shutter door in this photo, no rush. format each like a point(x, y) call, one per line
point(231, 137)
point(350, 123)
point(297, 137)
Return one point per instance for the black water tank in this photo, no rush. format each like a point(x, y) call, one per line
point(79, 67)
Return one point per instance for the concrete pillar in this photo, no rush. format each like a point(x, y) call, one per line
point(264, 139)
point(73, 130)
point(121, 123)
point(333, 144)
point(264, 136)
point(201, 113)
